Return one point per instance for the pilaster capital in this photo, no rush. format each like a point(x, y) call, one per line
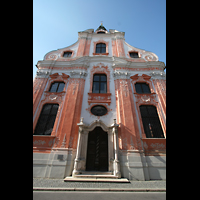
point(121, 75)
point(78, 74)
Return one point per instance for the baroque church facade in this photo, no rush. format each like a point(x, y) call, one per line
point(99, 110)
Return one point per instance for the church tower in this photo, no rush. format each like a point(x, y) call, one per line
point(99, 110)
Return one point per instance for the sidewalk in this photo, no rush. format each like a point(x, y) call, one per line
point(44, 184)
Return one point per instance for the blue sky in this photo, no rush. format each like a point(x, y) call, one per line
point(56, 23)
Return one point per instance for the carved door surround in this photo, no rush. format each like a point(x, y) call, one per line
point(113, 148)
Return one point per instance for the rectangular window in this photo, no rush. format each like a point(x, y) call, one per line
point(134, 54)
point(57, 87)
point(67, 54)
point(142, 88)
point(151, 122)
point(101, 48)
point(46, 120)
point(99, 83)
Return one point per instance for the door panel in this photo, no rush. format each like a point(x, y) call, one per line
point(97, 151)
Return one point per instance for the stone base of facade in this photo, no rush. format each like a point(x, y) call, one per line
point(57, 164)
point(134, 165)
point(138, 167)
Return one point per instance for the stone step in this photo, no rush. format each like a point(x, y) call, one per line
point(95, 176)
point(95, 179)
point(95, 173)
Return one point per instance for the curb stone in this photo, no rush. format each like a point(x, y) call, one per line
point(101, 189)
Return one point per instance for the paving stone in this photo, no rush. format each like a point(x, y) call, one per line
point(59, 183)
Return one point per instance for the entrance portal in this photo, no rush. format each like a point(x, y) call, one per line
point(97, 150)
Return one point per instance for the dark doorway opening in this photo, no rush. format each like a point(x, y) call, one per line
point(97, 150)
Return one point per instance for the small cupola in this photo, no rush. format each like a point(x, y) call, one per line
point(101, 29)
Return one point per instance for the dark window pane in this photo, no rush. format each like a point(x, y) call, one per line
point(101, 48)
point(49, 126)
point(67, 54)
point(46, 109)
point(41, 125)
point(57, 87)
point(152, 111)
point(46, 120)
point(61, 87)
point(53, 87)
point(138, 88)
point(95, 87)
point(103, 87)
point(134, 55)
point(143, 111)
point(142, 88)
point(96, 78)
point(103, 77)
point(54, 109)
point(151, 122)
point(98, 50)
point(99, 83)
point(147, 130)
point(146, 88)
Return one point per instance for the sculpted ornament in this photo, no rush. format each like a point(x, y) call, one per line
point(145, 98)
point(42, 73)
point(78, 74)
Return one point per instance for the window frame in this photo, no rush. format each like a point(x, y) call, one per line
point(66, 51)
point(132, 51)
point(47, 123)
point(101, 48)
point(99, 42)
point(100, 81)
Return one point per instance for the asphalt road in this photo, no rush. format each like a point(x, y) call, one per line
point(65, 195)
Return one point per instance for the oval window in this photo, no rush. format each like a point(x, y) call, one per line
point(99, 110)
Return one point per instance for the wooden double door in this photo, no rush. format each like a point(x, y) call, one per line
point(97, 150)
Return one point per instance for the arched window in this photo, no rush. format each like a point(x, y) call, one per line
point(151, 122)
point(57, 87)
point(46, 120)
point(101, 48)
point(99, 83)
